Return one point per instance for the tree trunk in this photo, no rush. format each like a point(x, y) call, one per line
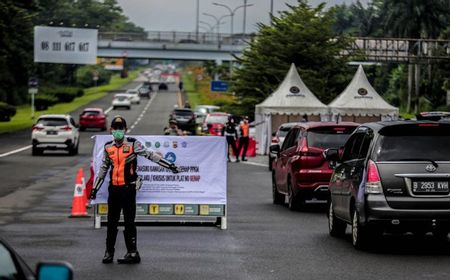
point(410, 82)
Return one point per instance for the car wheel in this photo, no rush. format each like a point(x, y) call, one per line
point(36, 151)
point(139, 102)
point(360, 234)
point(293, 199)
point(114, 107)
point(128, 108)
point(277, 197)
point(82, 128)
point(104, 128)
point(74, 150)
point(336, 227)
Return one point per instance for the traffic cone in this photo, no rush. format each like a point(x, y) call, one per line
point(79, 198)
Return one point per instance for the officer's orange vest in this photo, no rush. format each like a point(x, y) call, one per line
point(245, 127)
point(123, 159)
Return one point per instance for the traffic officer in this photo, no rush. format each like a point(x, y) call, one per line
point(230, 132)
point(173, 129)
point(121, 156)
point(243, 140)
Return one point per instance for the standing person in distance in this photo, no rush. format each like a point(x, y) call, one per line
point(243, 141)
point(230, 132)
point(120, 155)
point(173, 129)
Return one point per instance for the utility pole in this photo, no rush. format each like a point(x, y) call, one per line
point(245, 17)
point(271, 7)
point(197, 20)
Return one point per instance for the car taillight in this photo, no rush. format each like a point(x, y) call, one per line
point(275, 140)
point(37, 128)
point(66, 128)
point(373, 184)
point(313, 152)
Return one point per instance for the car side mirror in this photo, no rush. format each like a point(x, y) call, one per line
point(332, 156)
point(54, 270)
point(275, 149)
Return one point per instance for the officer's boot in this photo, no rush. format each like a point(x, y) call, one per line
point(132, 255)
point(110, 244)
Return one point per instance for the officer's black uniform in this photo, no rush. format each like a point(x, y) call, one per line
point(121, 156)
point(230, 132)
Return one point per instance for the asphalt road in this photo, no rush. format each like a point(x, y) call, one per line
point(263, 241)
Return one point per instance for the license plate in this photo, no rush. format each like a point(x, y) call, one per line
point(430, 187)
point(52, 132)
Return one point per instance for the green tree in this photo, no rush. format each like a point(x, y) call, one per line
point(302, 35)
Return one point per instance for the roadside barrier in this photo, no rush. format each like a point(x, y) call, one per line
point(79, 197)
point(198, 194)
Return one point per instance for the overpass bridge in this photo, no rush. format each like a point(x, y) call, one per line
point(224, 47)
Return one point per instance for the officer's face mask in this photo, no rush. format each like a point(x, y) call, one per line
point(118, 134)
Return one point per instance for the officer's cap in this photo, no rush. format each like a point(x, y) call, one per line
point(118, 122)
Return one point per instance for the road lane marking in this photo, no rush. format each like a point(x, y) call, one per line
point(108, 110)
point(254, 163)
point(15, 151)
point(145, 110)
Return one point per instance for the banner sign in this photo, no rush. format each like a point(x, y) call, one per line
point(202, 180)
point(115, 64)
point(65, 45)
point(220, 86)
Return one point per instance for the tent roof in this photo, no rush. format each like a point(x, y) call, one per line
point(292, 97)
point(361, 99)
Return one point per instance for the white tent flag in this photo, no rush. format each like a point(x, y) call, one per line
point(361, 99)
point(203, 162)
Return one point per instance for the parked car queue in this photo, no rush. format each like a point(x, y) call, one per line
point(378, 178)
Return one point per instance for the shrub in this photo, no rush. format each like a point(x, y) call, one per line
point(84, 75)
point(43, 101)
point(6, 112)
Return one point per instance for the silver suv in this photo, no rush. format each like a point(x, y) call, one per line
point(55, 132)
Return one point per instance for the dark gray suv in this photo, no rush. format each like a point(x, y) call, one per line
point(391, 176)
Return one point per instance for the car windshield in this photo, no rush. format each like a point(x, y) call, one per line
point(217, 119)
point(90, 113)
point(329, 137)
point(183, 113)
point(52, 122)
point(431, 142)
point(121, 97)
point(283, 131)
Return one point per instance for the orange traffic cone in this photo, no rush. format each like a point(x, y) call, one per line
point(79, 198)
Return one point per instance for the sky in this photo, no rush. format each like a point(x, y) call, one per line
point(180, 15)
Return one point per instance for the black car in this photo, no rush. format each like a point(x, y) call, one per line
point(391, 177)
point(185, 119)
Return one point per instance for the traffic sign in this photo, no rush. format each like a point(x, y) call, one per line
point(32, 90)
point(33, 82)
point(219, 86)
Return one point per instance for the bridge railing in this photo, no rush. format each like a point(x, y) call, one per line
point(178, 37)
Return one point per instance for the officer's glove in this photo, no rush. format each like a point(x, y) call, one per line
point(175, 169)
point(93, 194)
point(138, 183)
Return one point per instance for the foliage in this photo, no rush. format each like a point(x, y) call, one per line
point(43, 101)
point(84, 75)
point(17, 19)
point(302, 35)
point(6, 112)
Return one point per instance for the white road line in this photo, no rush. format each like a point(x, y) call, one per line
point(108, 110)
point(254, 163)
point(15, 151)
point(145, 109)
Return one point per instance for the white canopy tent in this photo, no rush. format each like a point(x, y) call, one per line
point(288, 103)
point(360, 102)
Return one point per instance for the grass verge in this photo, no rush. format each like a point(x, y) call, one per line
point(23, 120)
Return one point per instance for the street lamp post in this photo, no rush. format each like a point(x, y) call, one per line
point(232, 12)
point(218, 23)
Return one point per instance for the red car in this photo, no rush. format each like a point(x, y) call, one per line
point(93, 118)
point(300, 171)
point(214, 123)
